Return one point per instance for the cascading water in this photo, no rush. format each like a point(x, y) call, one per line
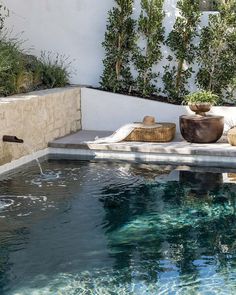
point(14, 139)
point(43, 176)
point(31, 151)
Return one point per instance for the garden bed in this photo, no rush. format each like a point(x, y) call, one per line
point(160, 98)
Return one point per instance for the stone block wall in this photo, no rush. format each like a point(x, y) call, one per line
point(38, 117)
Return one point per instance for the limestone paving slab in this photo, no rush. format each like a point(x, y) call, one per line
point(83, 140)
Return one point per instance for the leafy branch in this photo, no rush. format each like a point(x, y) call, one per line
point(118, 44)
point(180, 41)
point(217, 52)
point(151, 32)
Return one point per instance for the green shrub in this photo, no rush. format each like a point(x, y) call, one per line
point(181, 43)
point(54, 70)
point(21, 72)
point(217, 52)
point(151, 31)
point(11, 66)
point(201, 97)
point(118, 44)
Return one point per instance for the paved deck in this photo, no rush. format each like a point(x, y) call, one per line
point(179, 150)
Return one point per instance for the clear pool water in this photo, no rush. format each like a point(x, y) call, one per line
point(116, 228)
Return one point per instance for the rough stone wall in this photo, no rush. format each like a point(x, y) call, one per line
point(38, 117)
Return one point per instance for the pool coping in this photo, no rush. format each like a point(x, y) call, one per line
point(79, 146)
point(160, 158)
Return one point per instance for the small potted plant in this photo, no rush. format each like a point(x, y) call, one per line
point(201, 102)
point(201, 128)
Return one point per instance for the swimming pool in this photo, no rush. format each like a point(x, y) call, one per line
point(117, 228)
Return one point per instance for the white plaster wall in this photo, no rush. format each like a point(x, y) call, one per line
point(73, 27)
point(108, 111)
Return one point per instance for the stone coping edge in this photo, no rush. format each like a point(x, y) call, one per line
point(37, 93)
point(79, 154)
point(171, 159)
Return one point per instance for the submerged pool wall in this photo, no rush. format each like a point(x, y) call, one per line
point(38, 117)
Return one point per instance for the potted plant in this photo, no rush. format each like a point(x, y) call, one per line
point(201, 102)
point(201, 128)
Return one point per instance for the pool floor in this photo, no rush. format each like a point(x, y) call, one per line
point(89, 227)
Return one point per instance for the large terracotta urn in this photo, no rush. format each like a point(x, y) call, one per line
point(201, 129)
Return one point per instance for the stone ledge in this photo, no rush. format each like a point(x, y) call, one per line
point(38, 94)
point(177, 150)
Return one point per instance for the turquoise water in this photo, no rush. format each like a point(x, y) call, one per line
point(117, 228)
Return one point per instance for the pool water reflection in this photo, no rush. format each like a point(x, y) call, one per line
point(117, 228)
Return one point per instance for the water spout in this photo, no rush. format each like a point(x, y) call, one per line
point(11, 138)
point(14, 139)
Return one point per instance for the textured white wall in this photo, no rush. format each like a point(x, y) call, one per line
point(72, 27)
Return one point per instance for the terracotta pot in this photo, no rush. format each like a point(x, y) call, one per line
point(198, 129)
point(232, 136)
point(200, 108)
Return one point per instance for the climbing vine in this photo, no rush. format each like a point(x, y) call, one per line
point(150, 31)
point(134, 48)
point(118, 44)
point(180, 41)
point(217, 52)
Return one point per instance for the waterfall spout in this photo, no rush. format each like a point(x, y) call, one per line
point(10, 138)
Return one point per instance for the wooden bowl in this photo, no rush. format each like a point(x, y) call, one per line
point(201, 129)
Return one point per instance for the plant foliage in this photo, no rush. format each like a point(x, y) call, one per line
point(180, 41)
point(217, 52)
point(54, 70)
point(151, 31)
point(118, 44)
point(21, 72)
point(201, 97)
point(12, 70)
